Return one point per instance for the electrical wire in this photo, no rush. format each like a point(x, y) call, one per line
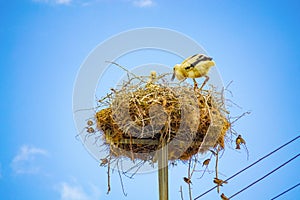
point(254, 163)
point(286, 191)
point(268, 174)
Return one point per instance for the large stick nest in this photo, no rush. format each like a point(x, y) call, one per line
point(141, 116)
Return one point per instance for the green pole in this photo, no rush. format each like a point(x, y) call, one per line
point(163, 172)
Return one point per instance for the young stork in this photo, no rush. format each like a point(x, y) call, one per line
point(195, 66)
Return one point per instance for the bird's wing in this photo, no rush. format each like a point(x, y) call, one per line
point(187, 60)
point(194, 60)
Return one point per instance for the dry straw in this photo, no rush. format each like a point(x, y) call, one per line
point(143, 112)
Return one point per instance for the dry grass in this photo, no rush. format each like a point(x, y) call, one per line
point(139, 115)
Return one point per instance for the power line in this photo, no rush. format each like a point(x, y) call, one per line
point(271, 172)
point(286, 191)
point(272, 152)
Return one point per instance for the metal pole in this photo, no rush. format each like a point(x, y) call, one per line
point(163, 172)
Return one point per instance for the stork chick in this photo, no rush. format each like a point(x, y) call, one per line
point(195, 66)
point(153, 77)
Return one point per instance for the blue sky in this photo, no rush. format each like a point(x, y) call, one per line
point(43, 43)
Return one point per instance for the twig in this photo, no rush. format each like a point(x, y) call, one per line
point(216, 168)
point(245, 113)
point(195, 163)
point(108, 175)
point(121, 180)
point(181, 193)
point(135, 76)
point(227, 86)
point(189, 176)
point(137, 166)
point(244, 145)
point(85, 109)
point(206, 167)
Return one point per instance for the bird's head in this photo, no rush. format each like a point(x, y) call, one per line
point(177, 73)
point(208, 64)
point(153, 74)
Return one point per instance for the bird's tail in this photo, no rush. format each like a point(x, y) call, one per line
point(209, 64)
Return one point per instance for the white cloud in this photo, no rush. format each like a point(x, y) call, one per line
point(76, 192)
point(69, 192)
point(143, 3)
point(61, 2)
point(24, 161)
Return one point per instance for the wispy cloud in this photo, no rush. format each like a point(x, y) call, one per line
point(76, 192)
point(63, 1)
point(24, 161)
point(143, 3)
point(71, 192)
point(60, 2)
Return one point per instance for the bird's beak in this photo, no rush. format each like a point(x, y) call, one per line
point(173, 77)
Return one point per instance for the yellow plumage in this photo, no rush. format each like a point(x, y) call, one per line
point(152, 79)
point(239, 140)
point(219, 182)
point(195, 66)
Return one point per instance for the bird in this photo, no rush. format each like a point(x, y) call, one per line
point(90, 130)
point(152, 79)
point(187, 180)
point(104, 161)
point(195, 66)
point(153, 76)
point(206, 162)
point(219, 182)
point(213, 153)
point(238, 141)
point(90, 123)
point(223, 197)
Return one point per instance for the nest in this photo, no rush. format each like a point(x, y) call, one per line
point(141, 117)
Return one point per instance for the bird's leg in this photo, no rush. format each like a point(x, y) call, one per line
point(195, 84)
point(205, 81)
